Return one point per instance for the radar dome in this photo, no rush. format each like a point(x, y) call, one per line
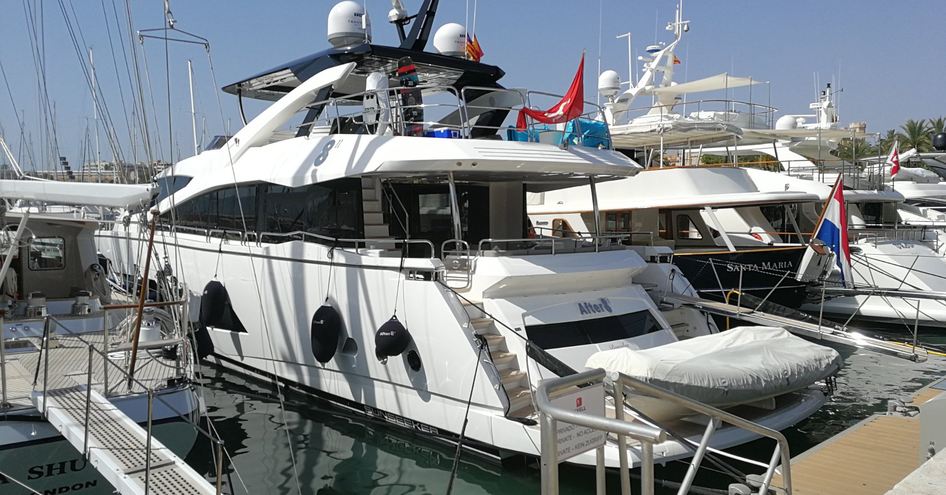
point(450, 40)
point(939, 141)
point(348, 24)
point(786, 122)
point(609, 83)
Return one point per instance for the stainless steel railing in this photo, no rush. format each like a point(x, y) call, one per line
point(648, 435)
point(44, 357)
point(556, 245)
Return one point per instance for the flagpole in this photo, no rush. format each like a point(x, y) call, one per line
point(474, 17)
point(824, 210)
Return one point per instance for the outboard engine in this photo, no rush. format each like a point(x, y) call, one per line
point(391, 339)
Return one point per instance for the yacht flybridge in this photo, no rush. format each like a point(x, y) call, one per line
point(380, 254)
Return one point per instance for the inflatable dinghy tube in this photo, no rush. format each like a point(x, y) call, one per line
point(391, 340)
point(325, 330)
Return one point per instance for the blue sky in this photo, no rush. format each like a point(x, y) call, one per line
point(887, 56)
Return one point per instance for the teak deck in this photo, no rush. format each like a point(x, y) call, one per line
point(868, 458)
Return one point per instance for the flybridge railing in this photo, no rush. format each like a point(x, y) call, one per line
point(745, 114)
point(443, 112)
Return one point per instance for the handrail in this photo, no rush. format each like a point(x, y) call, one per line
point(782, 449)
point(647, 435)
point(586, 241)
point(327, 239)
point(549, 415)
point(405, 224)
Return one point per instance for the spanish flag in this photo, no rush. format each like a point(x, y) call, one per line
point(473, 50)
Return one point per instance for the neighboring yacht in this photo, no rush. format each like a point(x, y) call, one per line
point(56, 302)
point(886, 254)
point(713, 218)
point(666, 119)
point(379, 254)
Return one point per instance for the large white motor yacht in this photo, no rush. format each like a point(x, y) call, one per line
point(379, 254)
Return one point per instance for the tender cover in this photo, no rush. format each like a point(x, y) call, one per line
point(741, 365)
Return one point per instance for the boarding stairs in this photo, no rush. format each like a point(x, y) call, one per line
point(514, 381)
point(376, 229)
point(116, 446)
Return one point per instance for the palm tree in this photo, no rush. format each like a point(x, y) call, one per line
point(886, 142)
point(937, 125)
point(916, 134)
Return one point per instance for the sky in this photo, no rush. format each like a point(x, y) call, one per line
point(886, 57)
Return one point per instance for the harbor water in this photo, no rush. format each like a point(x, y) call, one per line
point(334, 452)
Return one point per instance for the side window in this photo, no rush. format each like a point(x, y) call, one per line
point(664, 225)
point(47, 253)
point(686, 228)
point(169, 185)
point(561, 228)
point(332, 209)
point(284, 209)
point(618, 222)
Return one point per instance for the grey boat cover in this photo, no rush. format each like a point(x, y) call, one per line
point(737, 366)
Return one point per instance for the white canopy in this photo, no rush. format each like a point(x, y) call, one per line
point(77, 193)
point(712, 83)
point(799, 133)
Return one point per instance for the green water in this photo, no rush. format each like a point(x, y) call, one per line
point(334, 453)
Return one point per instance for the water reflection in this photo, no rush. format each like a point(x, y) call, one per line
point(336, 453)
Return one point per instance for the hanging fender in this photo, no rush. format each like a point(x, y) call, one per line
point(216, 310)
point(326, 330)
point(391, 339)
point(204, 345)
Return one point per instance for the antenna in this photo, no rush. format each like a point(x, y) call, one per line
point(630, 59)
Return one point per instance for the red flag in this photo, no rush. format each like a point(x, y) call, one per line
point(572, 104)
point(894, 159)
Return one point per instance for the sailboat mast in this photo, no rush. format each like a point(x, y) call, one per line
point(190, 82)
point(95, 109)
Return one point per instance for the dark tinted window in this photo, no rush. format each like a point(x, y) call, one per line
point(169, 185)
point(332, 209)
point(598, 330)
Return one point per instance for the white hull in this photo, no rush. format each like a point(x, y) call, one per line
point(896, 265)
point(528, 290)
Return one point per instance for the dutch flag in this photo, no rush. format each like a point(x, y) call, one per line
point(832, 231)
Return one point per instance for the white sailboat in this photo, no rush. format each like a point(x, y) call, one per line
point(64, 340)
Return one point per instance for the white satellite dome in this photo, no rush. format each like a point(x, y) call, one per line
point(450, 40)
point(609, 83)
point(786, 122)
point(348, 24)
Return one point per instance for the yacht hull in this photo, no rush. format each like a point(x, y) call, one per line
point(753, 271)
